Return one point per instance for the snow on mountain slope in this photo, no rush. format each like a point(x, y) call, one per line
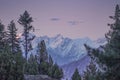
point(68, 53)
point(82, 63)
point(63, 50)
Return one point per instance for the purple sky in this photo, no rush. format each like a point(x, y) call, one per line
point(71, 18)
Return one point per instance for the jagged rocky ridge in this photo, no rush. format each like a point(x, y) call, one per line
point(63, 50)
point(67, 53)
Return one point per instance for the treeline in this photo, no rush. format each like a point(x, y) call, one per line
point(43, 64)
point(13, 66)
point(105, 61)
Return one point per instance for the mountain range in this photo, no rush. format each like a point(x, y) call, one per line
point(67, 53)
point(62, 49)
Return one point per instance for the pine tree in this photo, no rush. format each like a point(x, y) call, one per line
point(112, 49)
point(38, 53)
point(12, 38)
point(109, 58)
point(55, 72)
point(42, 58)
point(43, 64)
point(43, 52)
point(76, 75)
point(46, 65)
point(16, 71)
point(11, 65)
point(25, 20)
point(2, 37)
point(43, 68)
point(50, 70)
point(91, 72)
point(4, 64)
point(1, 27)
point(58, 74)
point(50, 60)
point(32, 66)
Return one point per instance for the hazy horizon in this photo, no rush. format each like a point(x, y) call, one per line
point(73, 18)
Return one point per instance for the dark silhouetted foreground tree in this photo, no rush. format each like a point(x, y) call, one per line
point(76, 75)
point(92, 73)
point(25, 20)
point(11, 65)
point(12, 38)
point(32, 66)
point(109, 57)
point(2, 37)
point(46, 65)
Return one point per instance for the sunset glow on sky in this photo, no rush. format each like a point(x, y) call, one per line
point(70, 18)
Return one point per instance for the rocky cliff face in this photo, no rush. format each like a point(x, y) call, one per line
point(37, 77)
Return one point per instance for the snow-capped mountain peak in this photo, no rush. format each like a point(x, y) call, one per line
point(64, 50)
point(57, 40)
